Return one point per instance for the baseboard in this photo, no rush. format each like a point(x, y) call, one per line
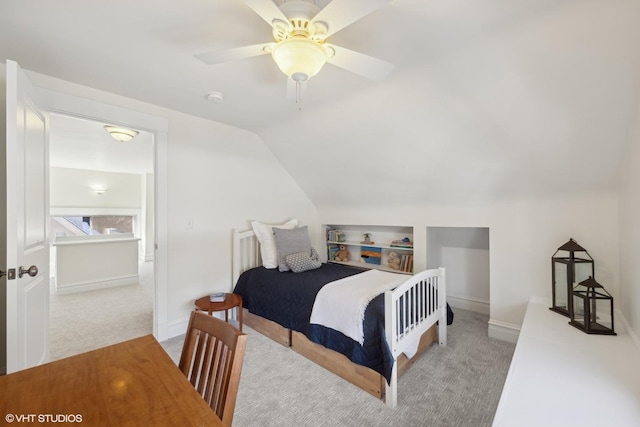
point(470, 304)
point(179, 327)
point(627, 327)
point(92, 286)
point(504, 331)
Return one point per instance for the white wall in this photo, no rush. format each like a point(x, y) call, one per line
point(524, 234)
point(629, 301)
point(464, 253)
point(71, 188)
point(218, 176)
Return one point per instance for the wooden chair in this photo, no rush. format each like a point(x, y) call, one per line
point(211, 359)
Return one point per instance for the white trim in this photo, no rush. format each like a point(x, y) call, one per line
point(161, 257)
point(620, 318)
point(93, 285)
point(179, 327)
point(66, 211)
point(93, 240)
point(175, 329)
point(470, 304)
point(62, 103)
point(70, 105)
point(504, 331)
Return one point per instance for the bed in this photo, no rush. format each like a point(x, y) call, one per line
point(409, 318)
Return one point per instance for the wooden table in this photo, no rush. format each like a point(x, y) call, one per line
point(134, 383)
point(231, 301)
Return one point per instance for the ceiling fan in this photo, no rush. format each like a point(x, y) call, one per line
point(300, 30)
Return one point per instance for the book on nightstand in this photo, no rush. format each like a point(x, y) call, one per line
point(217, 297)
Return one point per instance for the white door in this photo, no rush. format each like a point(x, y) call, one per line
point(27, 215)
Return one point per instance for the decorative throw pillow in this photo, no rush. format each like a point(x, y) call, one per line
point(290, 242)
point(303, 261)
point(264, 234)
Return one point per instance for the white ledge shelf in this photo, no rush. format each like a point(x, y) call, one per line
point(560, 376)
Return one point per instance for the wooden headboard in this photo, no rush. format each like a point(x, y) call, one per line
point(246, 254)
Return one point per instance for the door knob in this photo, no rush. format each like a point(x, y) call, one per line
point(2, 273)
point(31, 271)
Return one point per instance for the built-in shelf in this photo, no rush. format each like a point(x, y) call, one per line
point(377, 253)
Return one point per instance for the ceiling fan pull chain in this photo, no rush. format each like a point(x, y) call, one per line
point(299, 94)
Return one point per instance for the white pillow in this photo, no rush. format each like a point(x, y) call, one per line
point(264, 233)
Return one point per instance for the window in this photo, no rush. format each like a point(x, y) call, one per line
point(91, 225)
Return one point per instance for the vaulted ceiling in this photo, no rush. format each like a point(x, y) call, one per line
point(488, 98)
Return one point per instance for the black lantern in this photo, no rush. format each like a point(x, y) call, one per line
point(567, 270)
point(592, 308)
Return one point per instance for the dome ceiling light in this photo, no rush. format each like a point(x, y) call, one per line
point(121, 134)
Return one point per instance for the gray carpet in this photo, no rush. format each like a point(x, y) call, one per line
point(89, 320)
point(455, 385)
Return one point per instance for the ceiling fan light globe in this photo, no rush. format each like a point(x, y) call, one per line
point(299, 56)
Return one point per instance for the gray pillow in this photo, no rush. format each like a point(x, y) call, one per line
point(290, 242)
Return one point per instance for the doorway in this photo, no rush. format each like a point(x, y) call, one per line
point(100, 188)
point(54, 102)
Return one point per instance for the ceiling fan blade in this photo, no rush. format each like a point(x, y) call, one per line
point(267, 10)
point(225, 55)
point(293, 91)
point(341, 13)
point(359, 63)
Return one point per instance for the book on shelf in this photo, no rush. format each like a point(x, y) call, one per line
point(402, 244)
point(331, 252)
point(371, 255)
point(336, 236)
point(217, 297)
point(406, 263)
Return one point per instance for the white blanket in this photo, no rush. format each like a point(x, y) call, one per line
point(341, 304)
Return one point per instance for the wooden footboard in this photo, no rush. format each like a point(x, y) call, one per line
point(268, 328)
point(361, 376)
point(427, 340)
point(365, 378)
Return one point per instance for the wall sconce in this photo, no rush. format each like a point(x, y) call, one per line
point(592, 311)
point(121, 134)
point(567, 270)
point(99, 190)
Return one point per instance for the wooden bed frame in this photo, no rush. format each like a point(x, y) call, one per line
point(415, 310)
